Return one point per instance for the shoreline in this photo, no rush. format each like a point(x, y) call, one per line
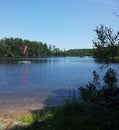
point(10, 115)
point(17, 110)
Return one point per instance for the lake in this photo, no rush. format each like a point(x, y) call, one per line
point(45, 80)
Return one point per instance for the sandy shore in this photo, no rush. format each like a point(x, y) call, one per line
point(9, 114)
point(17, 107)
point(11, 109)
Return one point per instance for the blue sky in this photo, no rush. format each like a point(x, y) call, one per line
point(67, 24)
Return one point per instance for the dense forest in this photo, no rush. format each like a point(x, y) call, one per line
point(79, 52)
point(13, 47)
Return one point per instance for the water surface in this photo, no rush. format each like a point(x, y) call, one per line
point(45, 78)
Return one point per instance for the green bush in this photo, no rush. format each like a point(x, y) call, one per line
point(91, 93)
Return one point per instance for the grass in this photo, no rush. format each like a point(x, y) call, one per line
point(26, 118)
point(73, 116)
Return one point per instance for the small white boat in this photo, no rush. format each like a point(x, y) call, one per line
point(24, 62)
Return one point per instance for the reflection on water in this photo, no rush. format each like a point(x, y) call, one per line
point(45, 76)
point(25, 75)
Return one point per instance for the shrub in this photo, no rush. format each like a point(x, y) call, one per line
point(93, 94)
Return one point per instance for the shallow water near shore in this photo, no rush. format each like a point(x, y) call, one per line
point(45, 81)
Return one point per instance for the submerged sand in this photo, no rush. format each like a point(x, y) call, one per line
point(18, 106)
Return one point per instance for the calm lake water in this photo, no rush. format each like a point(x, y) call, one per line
point(46, 80)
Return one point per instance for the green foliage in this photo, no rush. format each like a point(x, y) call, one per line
point(95, 78)
point(75, 116)
point(110, 78)
point(104, 102)
point(79, 52)
point(106, 43)
point(13, 47)
point(91, 93)
point(26, 118)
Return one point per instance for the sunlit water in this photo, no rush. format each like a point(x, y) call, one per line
point(46, 80)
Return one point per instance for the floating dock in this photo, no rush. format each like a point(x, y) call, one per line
point(24, 62)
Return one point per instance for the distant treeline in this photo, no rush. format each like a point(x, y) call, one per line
point(13, 47)
point(79, 52)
